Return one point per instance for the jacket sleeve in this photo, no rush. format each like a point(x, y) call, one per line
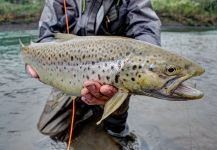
point(53, 19)
point(142, 22)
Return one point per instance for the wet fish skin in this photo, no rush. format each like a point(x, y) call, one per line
point(130, 65)
point(122, 62)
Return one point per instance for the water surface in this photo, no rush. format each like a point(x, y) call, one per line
point(164, 125)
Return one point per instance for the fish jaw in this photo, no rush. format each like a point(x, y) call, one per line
point(175, 89)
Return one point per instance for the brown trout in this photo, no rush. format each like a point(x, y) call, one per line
point(133, 66)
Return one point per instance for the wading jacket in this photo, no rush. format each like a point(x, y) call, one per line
point(131, 18)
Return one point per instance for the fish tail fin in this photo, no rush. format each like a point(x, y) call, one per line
point(21, 43)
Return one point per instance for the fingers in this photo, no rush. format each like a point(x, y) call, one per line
point(94, 93)
point(108, 90)
point(91, 100)
point(93, 87)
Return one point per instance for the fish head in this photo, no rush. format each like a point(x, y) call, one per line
point(161, 75)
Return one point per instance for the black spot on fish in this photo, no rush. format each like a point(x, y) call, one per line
point(48, 58)
point(103, 70)
point(139, 75)
point(133, 79)
point(134, 67)
point(107, 77)
point(67, 53)
point(128, 53)
point(140, 67)
point(99, 77)
point(147, 61)
point(87, 77)
point(60, 55)
point(83, 56)
point(64, 67)
point(127, 74)
point(99, 67)
point(93, 72)
point(88, 68)
point(112, 67)
point(74, 75)
point(93, 63)
point(117, 78)
point(105, 64)
point(72, 58)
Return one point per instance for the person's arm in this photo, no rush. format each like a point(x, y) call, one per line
point(53, 19)
point(142, 22)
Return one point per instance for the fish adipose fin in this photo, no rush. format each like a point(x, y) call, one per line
point(64, 37)
point(113, 104)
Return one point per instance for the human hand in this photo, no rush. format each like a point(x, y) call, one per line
point(94, 93)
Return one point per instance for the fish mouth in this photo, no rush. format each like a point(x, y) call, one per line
point(31, 71)
point(175, 90)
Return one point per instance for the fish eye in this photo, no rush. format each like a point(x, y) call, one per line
point(171, 70)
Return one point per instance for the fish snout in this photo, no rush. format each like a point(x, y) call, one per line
point(199, 70)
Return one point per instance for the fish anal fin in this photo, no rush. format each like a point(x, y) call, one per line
point(113, 104)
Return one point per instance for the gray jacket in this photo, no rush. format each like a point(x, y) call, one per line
point(131, 18)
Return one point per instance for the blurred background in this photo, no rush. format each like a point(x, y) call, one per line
point(189, 29)
point(185, 12)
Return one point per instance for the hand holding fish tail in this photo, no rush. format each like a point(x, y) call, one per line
point(94, 93)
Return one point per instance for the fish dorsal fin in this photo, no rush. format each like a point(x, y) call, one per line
point(64, 37)
point(113, 104)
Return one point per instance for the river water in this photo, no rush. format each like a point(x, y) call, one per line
point(164, 125)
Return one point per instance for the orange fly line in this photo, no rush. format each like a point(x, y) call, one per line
point(73, 98)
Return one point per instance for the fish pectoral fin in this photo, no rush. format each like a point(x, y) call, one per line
point(64, 37)
point(113, 104)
